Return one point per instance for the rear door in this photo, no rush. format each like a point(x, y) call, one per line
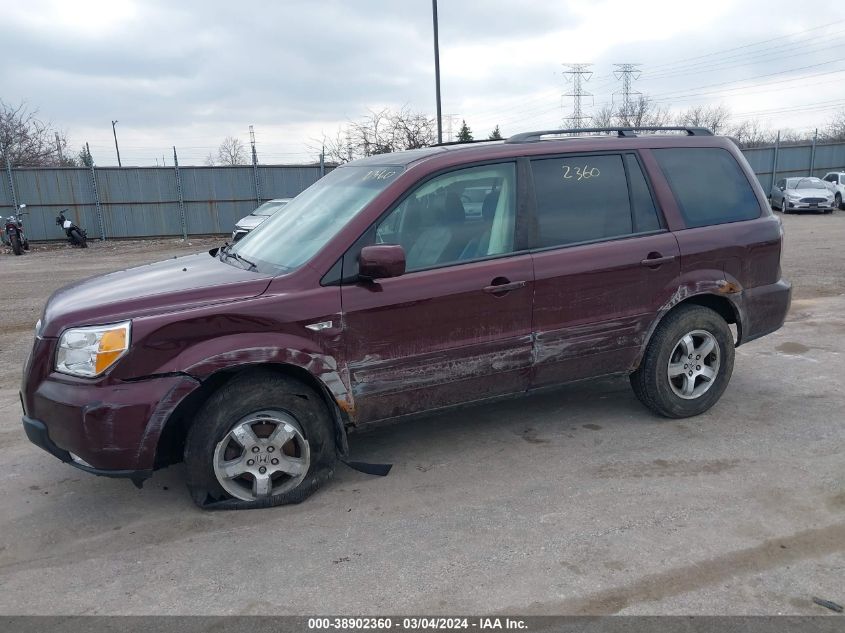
point(604, 264)
point(456, 327)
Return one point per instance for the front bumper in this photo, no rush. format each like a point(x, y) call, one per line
point(37, 433)
point(805, 206)
point(111, 425)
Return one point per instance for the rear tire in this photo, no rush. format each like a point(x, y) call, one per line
point(78, 238)
point(15, 241)
point(690, 392)
point(232, 440)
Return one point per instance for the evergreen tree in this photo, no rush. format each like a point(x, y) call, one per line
point(495, 135)
point(465, 134)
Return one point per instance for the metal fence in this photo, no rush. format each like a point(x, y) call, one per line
point(170, 201)
point(783, 161)
point(120, 202)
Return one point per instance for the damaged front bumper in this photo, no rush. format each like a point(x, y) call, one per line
point(37, 433)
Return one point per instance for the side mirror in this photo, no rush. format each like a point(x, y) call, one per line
point(381, 262)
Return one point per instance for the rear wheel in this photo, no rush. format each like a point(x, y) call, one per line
point(15, 241)
point(687, 365)
point(262, 440)
point(78, 238)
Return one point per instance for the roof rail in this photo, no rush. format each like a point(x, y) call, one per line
point(622, 132)
point(475, 140)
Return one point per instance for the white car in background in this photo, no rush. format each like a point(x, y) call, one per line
point(836, 183)
point(802, 194)
point(249, 222)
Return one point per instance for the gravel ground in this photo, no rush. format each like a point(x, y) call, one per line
point(577, 501)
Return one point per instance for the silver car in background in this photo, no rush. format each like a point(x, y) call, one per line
point(802, 194)
point(249, 222)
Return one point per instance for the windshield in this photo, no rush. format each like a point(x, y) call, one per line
point(287, 240)
point(805, 183)
point(269, 208)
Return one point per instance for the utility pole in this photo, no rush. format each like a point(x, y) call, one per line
point(323, 161)
point(578, 73)
point(116, 148)
point(255, 165)
point(437, 70)
point(627, 73)
point(59, 149)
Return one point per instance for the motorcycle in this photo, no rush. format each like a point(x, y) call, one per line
point(75, 234)
point(13, 231)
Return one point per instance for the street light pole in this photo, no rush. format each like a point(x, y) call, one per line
point(116, 148)
point(437, 71)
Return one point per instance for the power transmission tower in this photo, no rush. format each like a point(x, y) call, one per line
point(578, 73)
point(627, 73)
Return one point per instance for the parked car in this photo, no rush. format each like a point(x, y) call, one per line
point(378, 294)
point(836, 183)
point(802, 194)
point(249, 222)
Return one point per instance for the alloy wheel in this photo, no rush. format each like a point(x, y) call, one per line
point(694, 364)
point(263, 455)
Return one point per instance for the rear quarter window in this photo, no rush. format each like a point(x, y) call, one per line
point(709, 185)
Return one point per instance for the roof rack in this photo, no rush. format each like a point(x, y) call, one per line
point(622, 132)
point(476, 140)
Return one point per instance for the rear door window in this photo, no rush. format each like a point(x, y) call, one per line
point(580, 199)
point(708, 184)
point(644, 211)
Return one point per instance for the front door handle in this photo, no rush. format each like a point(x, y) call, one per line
point(501, 286)
point(655, 259)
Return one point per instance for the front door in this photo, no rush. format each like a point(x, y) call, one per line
point(456, 327)
point(604, 265)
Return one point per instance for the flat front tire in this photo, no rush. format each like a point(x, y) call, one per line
point(687, 364)
point(264, 439)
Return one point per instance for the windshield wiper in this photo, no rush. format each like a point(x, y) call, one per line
point(226, 250)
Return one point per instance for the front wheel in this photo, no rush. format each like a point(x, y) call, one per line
point(687, 364)
point(839, 201)
point(262, 440)
point(78, 239)
point(15, 241)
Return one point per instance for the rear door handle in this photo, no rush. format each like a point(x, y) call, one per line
point(503, 287)
point(656, 261)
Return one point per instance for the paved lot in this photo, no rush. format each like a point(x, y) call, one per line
point(577, 501)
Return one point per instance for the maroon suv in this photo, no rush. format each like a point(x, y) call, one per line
point(407, 282)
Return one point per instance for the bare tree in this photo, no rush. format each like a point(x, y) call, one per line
point(715, 118)
point(379, 132)
point(230, 152)
point(751, 133)
point(604, 116)
point(642, 112)
point(836, 128)
point(27, 140)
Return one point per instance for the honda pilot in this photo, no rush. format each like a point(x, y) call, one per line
point(407, 282)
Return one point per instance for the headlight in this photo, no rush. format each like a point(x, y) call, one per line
point(794, 197)
point(89, 351)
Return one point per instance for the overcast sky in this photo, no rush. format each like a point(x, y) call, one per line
point(191, 72)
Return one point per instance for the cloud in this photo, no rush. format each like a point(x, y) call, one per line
point(192, 72)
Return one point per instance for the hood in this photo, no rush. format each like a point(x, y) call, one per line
point(250, 222)
point(165, 286)
point(810, 193)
